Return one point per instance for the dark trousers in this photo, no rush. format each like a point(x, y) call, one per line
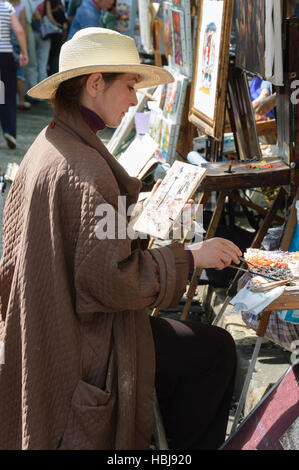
point(53, 63)
point(8, 110)
point(195, 372)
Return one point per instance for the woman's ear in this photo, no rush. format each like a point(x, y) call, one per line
point(94, 84)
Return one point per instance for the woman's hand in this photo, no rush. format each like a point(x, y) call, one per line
point(217, 253)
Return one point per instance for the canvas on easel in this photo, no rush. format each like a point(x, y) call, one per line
point(259, 23)
point(165, 205)
point(209, 84)
point(241, 115)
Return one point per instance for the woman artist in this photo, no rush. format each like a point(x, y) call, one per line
point(82, 356)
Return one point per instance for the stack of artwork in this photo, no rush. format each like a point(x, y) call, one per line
point(178, 36)
point(126, 12)
point(127, 124)
point(177, 40)
point(166, 115)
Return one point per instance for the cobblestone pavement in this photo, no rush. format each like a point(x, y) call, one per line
point(29, 124)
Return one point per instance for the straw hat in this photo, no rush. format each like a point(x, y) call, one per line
point(99, 50)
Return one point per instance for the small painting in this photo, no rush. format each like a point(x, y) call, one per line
point(209, 84)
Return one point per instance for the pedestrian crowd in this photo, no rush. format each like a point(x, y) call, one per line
point(31, 35)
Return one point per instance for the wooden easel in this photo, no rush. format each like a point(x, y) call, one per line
point(288, 136)
point(288, 139)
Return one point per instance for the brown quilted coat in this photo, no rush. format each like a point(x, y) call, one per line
point(79, 354)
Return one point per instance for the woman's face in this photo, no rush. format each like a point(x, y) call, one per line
point(114, 99)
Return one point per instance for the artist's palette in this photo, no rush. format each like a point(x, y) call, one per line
point(244, 167)
point(277, 264)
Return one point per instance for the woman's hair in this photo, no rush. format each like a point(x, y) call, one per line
point(68, 94)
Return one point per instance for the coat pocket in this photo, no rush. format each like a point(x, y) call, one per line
point(91, 422)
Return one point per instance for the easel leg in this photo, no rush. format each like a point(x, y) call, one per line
point(210, 233)
point(222, 311)
point(260, 332)
point(158, 430)
point(150, 243)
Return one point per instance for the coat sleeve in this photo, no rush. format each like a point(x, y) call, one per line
point(111, 277)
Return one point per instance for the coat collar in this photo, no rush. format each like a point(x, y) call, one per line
point(76, 125)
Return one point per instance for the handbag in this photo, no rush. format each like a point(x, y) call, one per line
point(47, 28)
point(35, 25)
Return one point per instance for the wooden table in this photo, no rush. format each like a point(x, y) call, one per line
point(217, 177)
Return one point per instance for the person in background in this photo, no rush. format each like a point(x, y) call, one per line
point(31, 72)
point(8, 69)
point(48, 48)
point(263, 101)
point(56, 13)
point(89, 13)
point(82, 355)
point(109, 17)
point(42, 45)
point(21, 14)
point(72, 8)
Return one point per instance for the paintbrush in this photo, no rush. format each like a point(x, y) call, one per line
point(269, 285)
point(254, 273)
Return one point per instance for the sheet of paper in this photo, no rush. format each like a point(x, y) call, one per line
point(138, 154)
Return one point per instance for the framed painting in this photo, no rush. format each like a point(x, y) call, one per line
point(182, 55)
point(167, 29)
point(249, 27)
point(165, 115)
point(209, 84)
point(126, 11)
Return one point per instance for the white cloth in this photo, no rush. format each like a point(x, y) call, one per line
point(254, 302)
point(273, 42)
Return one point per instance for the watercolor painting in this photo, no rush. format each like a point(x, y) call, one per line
point(209, 83)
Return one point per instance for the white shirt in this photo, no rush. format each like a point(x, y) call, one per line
point(6, 10)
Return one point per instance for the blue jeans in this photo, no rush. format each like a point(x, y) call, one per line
point(42, 54)
point(87, 15)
